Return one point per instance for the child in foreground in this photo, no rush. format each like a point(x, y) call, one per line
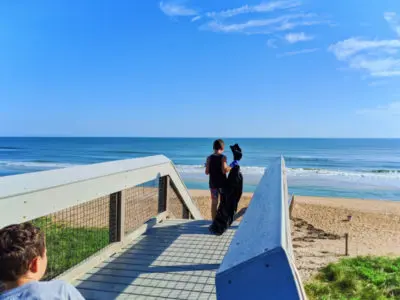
point(23, 262)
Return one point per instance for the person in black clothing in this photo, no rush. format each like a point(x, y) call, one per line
point(217, 168)
point(231, 196)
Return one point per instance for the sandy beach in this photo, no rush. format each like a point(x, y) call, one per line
point(319, 225)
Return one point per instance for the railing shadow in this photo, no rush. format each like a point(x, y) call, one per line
point(171, 250)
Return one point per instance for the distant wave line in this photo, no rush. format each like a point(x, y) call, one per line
point(199, 169)
point(253, 170)
point(130, 152)
point(9, 148)
point(34, 164)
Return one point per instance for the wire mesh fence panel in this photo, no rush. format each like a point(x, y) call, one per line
point(176, 205)
point(141, 204)
point(74, 234)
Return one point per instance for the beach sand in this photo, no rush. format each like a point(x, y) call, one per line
point(319, 225)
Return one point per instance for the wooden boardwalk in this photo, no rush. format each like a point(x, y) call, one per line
point(176, 259)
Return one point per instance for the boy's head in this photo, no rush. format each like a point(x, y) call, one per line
point(22, 253)
point(219, 146)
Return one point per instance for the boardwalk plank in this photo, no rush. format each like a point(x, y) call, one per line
point(176, 259)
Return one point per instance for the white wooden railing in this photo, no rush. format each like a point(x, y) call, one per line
point(259, 263)
point(29, 196)
point(108, 203)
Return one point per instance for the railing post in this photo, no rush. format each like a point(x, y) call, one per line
point(163, 193)
point(185, 212)
point(117, 217)
point(291, 205)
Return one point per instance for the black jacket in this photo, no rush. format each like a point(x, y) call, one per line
point(229, 201)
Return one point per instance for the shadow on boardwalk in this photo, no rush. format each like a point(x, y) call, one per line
point(174, 260)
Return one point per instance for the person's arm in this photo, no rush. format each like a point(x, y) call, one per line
point(225, 167)
point(208, 166)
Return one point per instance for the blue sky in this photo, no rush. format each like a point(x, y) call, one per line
point(200, 68)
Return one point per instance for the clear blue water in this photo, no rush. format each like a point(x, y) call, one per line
point(362, 168)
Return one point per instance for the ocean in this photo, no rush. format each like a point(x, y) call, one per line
point(353, 168)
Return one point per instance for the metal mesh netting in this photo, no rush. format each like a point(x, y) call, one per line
point(141, 204)
point(176, 205)
point(74, 234)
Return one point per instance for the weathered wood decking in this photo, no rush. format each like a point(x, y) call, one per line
point(176, 259)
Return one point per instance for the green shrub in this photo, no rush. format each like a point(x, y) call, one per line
point(360, 278)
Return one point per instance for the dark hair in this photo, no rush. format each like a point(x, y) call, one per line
point(218, 144)
point(19, 245)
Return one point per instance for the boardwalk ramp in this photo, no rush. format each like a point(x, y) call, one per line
point(130, 230)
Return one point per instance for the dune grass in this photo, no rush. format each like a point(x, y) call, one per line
point(360, 278)
point(67, 246)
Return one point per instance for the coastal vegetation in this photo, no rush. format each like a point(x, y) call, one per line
point(360, 278)
point(68, 245)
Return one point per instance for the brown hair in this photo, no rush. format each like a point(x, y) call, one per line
point(218, 144)
point(19, 245)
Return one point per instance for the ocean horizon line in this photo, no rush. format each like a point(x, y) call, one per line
point(204, 137)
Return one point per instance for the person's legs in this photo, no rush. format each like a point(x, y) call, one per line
point(214, 202)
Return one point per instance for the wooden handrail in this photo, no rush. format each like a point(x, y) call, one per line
point(259, 263)
point(29, 196)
